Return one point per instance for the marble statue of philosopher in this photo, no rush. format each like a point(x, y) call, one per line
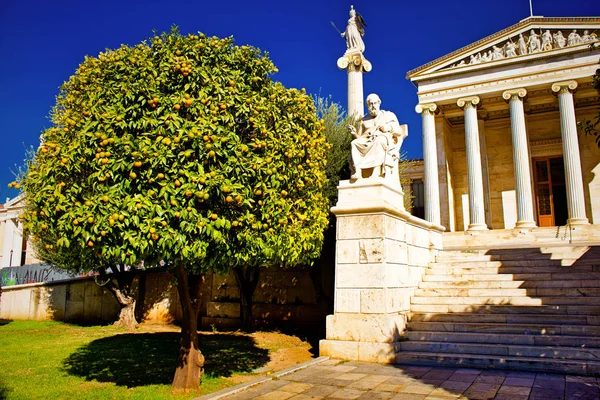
point(376, 144)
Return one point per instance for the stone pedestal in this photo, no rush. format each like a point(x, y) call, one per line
point(381, 254)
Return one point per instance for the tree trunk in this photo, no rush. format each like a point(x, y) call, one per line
point(247, 279)
point(119, 284)
point(191, 361)
point(127, 315)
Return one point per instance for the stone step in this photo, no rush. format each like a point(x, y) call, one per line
point(514, 328)
point(534, 364)
point(462, 271)
point(430, 276)
point(499, 338)
point(562, 262)
point(506, 309)
point(546, 352)
point(550, 319)
point(497, 284)
point(531, 292)
point(528, 253)
point(506, 300)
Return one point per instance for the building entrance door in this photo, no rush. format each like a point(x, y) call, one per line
point(550, 191)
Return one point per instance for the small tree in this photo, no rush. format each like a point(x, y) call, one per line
point(180, 151)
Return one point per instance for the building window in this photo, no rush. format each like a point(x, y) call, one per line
point(418, 198)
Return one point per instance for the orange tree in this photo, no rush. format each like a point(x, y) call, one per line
point(182, 151)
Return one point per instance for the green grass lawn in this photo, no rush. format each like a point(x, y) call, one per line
point(54, 360)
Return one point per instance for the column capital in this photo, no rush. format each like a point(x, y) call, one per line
point(426, 108)
point(564, 86)
point(466, 102)
point(354, 61)
point(514, 94)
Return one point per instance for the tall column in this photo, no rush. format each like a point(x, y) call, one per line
point(572, 159)
point(525, 217)
point(474, 173)
point(431, 181)
point(355, 64)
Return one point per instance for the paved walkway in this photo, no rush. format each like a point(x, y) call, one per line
point(334, 379)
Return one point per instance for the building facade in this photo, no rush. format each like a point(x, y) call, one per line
point(501, 146)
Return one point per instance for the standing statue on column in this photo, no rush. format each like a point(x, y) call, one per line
point(377, 142)
point(354, 32)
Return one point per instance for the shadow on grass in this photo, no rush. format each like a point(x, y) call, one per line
point(5, 322)
point(4, 391)
point(150, 358)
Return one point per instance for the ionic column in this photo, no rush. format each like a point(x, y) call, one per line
point(355, 64)
point(430, 163)
point(474, 173)
point(525, 217)
point(568, 130)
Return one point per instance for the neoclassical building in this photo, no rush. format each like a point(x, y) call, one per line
point(501, 147)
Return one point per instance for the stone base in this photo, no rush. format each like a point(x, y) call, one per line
point(383, 353)
point(368, 328)
point(578, 221)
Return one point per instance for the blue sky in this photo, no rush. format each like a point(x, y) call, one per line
point(42, 43)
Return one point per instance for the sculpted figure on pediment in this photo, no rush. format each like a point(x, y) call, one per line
point(497, 53)
point(585, 38)
point(533, 43)
point(473, 60)
point(522, 45)
point(559, 40)
point(377, 141)
point(574, 38)
point(510, 49)
point(547, 40)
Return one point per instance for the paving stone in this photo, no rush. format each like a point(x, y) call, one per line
point(512, 381)
point(521, 374)
point(375, 395)
point(553, 384)
point(514, 390)
point(376, 378)
point(346, 394)
point(343, 368)
point(477, 395)
point(439, 374)
point(510, 397)
point(363, 385)
point(275, 395)
point(350, 376)
point(321, 390)
point(408, 396)
point(296, 387)
point(337, 382)
point(489, 379)
point(303, 396)
point(441, 392)
point(386, 387)
point(418, 389)
point(538, 393)
point(455, 386)
point(432, 382)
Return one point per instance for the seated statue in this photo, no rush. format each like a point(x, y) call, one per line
point(377, 143)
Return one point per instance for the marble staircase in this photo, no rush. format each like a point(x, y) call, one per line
point(534, 309)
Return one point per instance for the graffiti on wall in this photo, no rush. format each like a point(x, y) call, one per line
point(33, 273)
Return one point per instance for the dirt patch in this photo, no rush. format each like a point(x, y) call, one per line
point(285, 351)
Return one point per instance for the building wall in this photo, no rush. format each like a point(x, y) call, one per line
point(540, 127)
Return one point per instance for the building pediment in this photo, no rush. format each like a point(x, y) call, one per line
point(530, 39)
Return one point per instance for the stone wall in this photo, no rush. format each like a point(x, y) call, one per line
point(282, 295)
